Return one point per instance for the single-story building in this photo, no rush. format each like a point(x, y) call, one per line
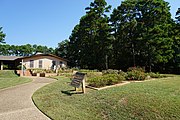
point(8, 62)
point(41, 61)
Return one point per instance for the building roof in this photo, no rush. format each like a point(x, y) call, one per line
point(38, 55)
point(8, 58)
point(12, 58)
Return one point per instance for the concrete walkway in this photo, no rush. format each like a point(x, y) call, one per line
point(16, 102)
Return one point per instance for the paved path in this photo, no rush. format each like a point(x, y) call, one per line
point(16, 102)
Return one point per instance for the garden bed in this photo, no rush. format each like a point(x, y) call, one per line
point(110, 86)
point(125, 83)
point(110, 77)
point(155, 99)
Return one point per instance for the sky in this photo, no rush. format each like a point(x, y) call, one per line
point(46, 22)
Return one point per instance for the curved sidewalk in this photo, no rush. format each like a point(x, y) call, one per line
point(16, 102)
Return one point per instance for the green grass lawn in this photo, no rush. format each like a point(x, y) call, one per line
point(150, 100)
point(8, 78)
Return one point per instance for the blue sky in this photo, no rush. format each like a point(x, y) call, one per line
point(46, 22)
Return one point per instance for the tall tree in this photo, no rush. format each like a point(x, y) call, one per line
point(93, 36)
point(2, 35)
point(141, 31)
point(61, 50)
point(178, 15)
point(174, 65)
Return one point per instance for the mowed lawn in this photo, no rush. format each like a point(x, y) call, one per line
point(8, 78)
point(150, 100)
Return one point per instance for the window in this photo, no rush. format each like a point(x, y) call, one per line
point(31, 63)
point(60, 64)
point(53, 65)
point(40, 63)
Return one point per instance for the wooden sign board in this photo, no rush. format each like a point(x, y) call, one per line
point(78, 80)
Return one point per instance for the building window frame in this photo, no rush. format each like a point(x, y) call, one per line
point(40, 63)
point(31, 63)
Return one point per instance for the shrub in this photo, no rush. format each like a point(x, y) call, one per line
point(37, 70)
point(5, 67)
point(124, 74)
point(49, 71)
point(155, 75)
point(86, 70)
point(65, 71)
point(110, 71)
point(93, 74)
point(97, 81)
point(135, 69)
point(65, 74)
point(18, 67)
point(108, 79)
point(136, 73)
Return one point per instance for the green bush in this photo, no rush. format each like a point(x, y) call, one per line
point(93, 74)
point(110, 71)
point(65, 74)
point(37, 70)
point(136, 69)
point(5, 67)
point(86, 70)
point(49, 71)
point(108, 79)
point(124, 74)
point(65, 71)
point(136, 73)
point(155, 75)
point(18, 67)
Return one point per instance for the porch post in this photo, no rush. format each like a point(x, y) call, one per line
point(22, 72)
point(1, 65)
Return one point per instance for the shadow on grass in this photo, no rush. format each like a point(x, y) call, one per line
point(71, 92)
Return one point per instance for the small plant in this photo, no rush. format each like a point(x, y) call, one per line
point(136, 73)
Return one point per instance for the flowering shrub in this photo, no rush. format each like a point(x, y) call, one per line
point(108, 79)
point(110, 71)
point(136, 73)
point(155, 75)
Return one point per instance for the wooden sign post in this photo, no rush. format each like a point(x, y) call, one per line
point(79, 80)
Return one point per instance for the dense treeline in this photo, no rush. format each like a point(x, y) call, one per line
point(23, 50)
point(137, 33)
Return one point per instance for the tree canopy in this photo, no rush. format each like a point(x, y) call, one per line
point(2, 35)
point(137, 33)
point(24, 50)
point(89, 41)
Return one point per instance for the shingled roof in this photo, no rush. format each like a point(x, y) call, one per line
point(8, 58)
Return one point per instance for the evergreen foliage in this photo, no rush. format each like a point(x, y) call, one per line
point(137, 33)
point(2, 35)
